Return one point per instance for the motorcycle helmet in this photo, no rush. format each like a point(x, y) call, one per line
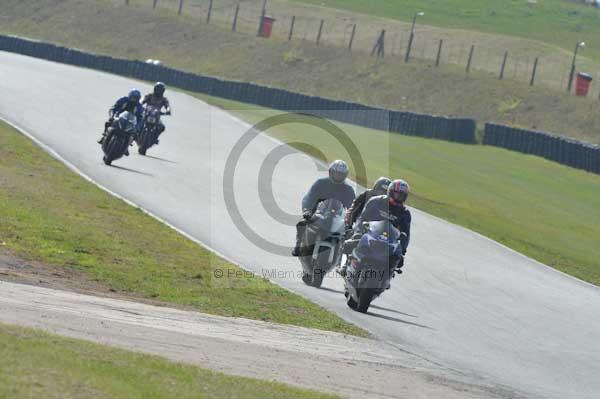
point(381, 186)
point(398, 192)
point(338, 171)
point(159, 89)
point(135, 96)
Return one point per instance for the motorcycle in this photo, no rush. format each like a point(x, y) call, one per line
point(118, 137)
point(150, 132)
point(322, 241)
point(372, 264)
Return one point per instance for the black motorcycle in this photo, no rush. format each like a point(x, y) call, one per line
point(372, 264)
point(118, 136)
point(151, 130)
point(322, 241)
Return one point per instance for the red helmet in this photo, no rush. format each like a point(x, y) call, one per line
point(398, 192)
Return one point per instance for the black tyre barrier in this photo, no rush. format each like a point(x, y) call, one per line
point(407, 123)
point(566, 151)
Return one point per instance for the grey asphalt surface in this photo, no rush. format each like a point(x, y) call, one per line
point(465, 305)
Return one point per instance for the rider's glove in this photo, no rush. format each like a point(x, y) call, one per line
point(307, 215)
point(168, 112)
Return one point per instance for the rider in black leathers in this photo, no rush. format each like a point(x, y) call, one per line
point(334, 186)
point(379, 188)
point(158, 100)
point(129, 103)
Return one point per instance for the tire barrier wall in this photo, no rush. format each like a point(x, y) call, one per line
point(563, 150)
point(406, 123)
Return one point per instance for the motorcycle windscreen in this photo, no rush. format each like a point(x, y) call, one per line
point(329, 213)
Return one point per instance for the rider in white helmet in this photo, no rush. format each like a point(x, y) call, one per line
point(332, 187)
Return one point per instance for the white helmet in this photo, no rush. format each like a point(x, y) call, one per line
point(338, 171)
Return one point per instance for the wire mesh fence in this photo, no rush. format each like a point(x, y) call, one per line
point(552, 68)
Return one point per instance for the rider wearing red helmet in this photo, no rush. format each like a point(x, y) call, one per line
point(391, 207)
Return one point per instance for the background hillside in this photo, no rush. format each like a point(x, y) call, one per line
point(187, 42)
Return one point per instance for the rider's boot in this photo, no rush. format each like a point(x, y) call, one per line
point(131, 138)
point(296, 250)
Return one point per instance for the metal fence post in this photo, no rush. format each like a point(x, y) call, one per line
point(292, 28)
point(235, 17)
point(470, 58)
point(180, 7)
point(503, 65)
point(154, 3)
point(320, 32)
point(352, 37)
point(210, 6)
point(439, 53)
point(535, 64)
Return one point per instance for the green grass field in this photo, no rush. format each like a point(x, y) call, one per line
point(53, 216)
point(558, 22)
point(542, 209)
point(35, 364)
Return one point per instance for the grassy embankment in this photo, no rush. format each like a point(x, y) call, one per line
point(35, 364)
point(53, 216)
point(558, 22)
point(188, 43)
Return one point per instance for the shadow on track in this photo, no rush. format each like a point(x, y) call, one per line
point(331, 290)
point(393, 311)
point(160, 159)
point(132, 170)
point(399, 320)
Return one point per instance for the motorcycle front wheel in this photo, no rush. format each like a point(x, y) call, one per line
point(365, 297)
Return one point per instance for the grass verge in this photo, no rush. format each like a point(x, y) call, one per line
point(35, 364)
point(191, 45)
point(542, 209)
point(53, 216)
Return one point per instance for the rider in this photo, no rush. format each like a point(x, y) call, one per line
point(129, 103)
point(379, 188)
point(388, 207)
point(157, 99)
point(334, 186)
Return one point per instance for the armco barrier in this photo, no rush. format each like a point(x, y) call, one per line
point(566, 151)
point(429, 126)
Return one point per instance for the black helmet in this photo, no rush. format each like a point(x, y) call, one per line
point(338, 171)
point(381, 185)
point(159, 89)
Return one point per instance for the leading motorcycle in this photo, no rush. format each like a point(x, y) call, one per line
point(322, 241)
point(119, 134)
point(372, 264)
